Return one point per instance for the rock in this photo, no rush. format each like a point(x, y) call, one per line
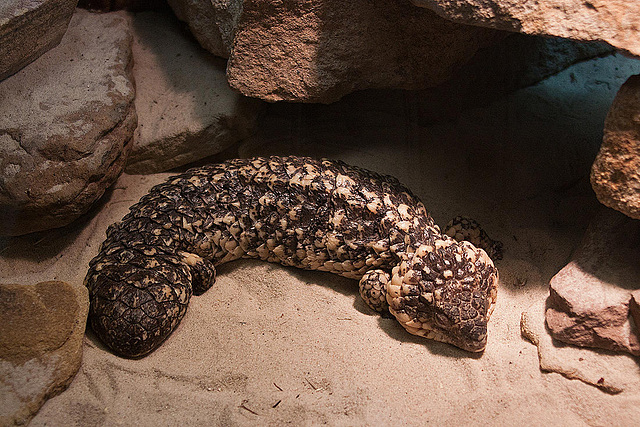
point(615, 175)
point(614, 22)
point(213, 22)
point(589, 301)
point(186, 109)
point(65, 125)
point(610, 372)
point(41, 333)
point(318, 51)
point(30, 28)
point(517, 61)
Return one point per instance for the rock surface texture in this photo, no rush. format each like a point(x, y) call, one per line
point(30, 28)
point(615, 175)
point(65, 125)
point(318, 51)
point(591, 297)
point(613, 21)
point(212, 22)
point(41, 333)
point(186, 109)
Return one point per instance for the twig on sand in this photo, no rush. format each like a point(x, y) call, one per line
point(313, 385)
point(243, 405)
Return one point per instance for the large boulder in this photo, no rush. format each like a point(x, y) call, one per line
point(65, 125)
point(186, 109)
point(612, 21)
point(592, 301)
point(30, 28)
point(320, 50)
point(41, 332)
point(615, 175)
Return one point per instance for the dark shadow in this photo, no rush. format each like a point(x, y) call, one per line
point(610, 249)
point(44, 245)
point(392, 328)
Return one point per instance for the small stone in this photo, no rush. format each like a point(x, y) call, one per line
point(41, 333)
point(590, 298)
point(615, 175)
point(615, 22)
point(30, 28)
point(65, 125)
point(186, 109)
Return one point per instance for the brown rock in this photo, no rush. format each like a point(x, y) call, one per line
point(318, 51)
point(65, 124)
point(212, 22)
point(615, 175)
point(186, 109)
point(589, 301)
point(41, 332)
point(30, 28)
point(612, 21)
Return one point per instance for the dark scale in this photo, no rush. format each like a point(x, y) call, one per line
point(317, 215)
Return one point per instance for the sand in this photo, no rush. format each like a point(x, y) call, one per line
point(270, 345)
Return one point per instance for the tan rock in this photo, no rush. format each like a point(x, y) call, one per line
point(30, 28)
point(589, 301)
point(615, 175)
point(212, 22)
point(612, 21)
point(320, 50)
point(186, 109)
point(41, 333)
point(65, 125)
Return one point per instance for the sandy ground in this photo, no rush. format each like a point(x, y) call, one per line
point(270, 345)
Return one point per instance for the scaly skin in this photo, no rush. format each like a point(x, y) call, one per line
point(317, 215)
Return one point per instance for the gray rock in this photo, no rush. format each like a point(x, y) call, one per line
point(589, 301)
point(320, 50)
point(65, 125)
point(186, 109)
point(212, 22)
point(41, 333)
point(615, 22)
point(615, 175)
point(29, 28)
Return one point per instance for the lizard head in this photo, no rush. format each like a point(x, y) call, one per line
point(446, 292)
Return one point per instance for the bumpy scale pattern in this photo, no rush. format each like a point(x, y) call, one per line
point(296, 211)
